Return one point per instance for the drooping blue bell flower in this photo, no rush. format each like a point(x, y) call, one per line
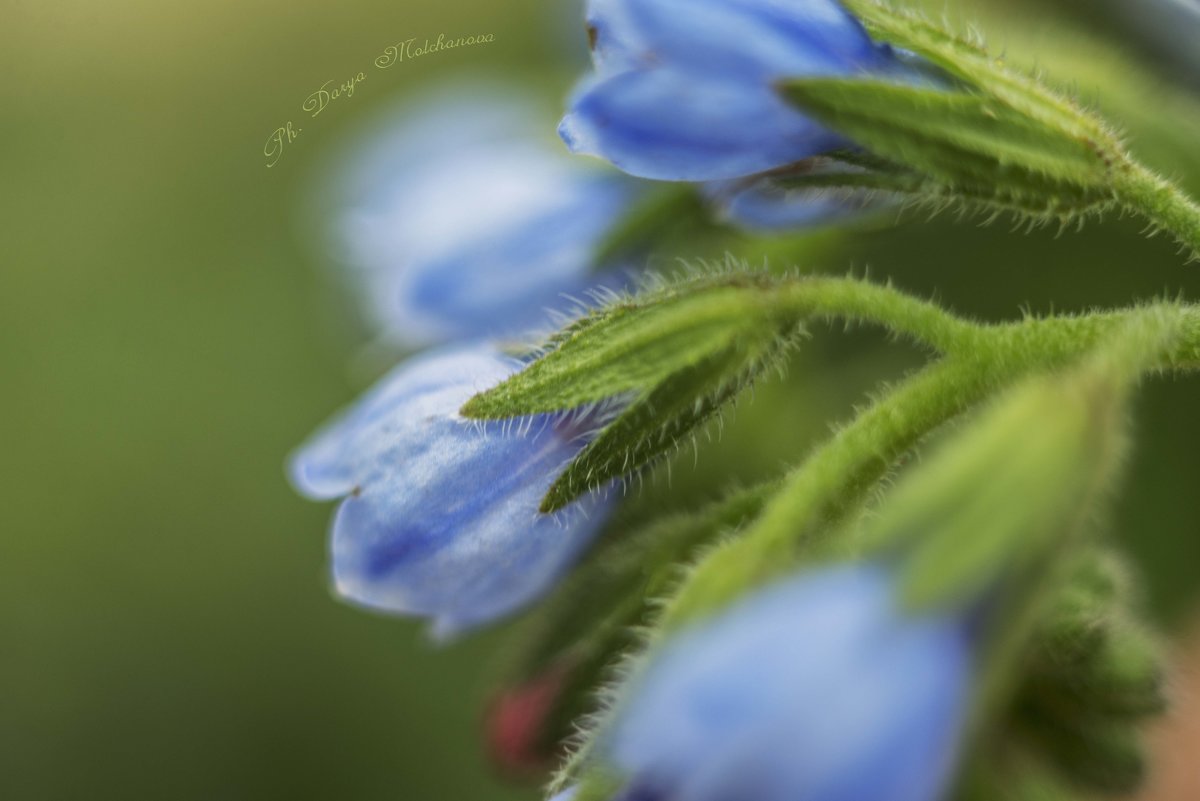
point(463, 218)
point(685, 91)
point(817, 688)
point(440, 513)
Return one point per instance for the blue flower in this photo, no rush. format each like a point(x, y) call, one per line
point(463, 220)
point(440, 513)
point(685, 90)
point(817, 688)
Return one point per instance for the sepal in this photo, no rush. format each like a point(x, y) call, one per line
point(978, 134)
point(665, 362)
point(656, 423)
point(634, 344)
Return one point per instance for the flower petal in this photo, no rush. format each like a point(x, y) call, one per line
point(758, 40)
point(493, 286)
point(685, 90)
point(763, 206)
point(441, 518)
point(817, 688)
point(336, 459)
point(662, 124)
point(616, 43)
point(451, 531)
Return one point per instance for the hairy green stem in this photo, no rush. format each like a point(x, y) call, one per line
point(838, 476)
point(832, 482)
point(1034, 341)
point(1161, 202)
point(850, 299)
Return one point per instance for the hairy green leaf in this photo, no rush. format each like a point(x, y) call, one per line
point(653, 424)
point(969, 61)
point(956, 143)
point(631, 347)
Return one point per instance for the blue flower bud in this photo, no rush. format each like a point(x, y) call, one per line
point(685, 91)
point(463, 220)
point(818, 688)
point(440, 513)
point(759, 205)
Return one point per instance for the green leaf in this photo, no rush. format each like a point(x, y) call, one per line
point(957, 143)
point(654, 424)
point(968, 123)
point(985, 135)
point(1059, 125)
point(969, 61)
point(633, 346)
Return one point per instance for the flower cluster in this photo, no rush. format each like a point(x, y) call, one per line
point(802, 653)
point(463, 226)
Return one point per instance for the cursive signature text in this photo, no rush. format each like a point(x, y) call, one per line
point(409, 49)
point(315, 103)
point(331, 90)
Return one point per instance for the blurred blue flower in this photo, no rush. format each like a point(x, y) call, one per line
point(685, 91)
point(440, 513)
point(817, 688)
point(464, 218)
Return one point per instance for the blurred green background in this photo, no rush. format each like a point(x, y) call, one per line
point(167, 335)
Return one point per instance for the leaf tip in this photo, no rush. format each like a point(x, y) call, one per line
point(479, 407)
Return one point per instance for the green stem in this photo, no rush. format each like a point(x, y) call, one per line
point(1054, 341)
point(1161, 202)
point(850, 299)
point(836, 479)
point(1036, 342)
point(827, 486)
